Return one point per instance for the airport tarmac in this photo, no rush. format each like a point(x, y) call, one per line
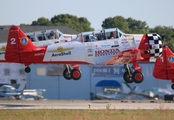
point(85, 105)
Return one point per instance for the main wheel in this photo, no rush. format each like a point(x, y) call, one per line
point(127, 78)
point(137, 77)
point(76, 74)
point(67, 75)
point(27, 69)
point(172, 86)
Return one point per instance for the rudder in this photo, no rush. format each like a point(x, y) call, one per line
point(164, 65)
point(17, 42)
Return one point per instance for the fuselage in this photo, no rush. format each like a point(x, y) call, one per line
point(96, 50)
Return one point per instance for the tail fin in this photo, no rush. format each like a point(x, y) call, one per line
point(22, 86)
point(17, 42)
point(164, 65)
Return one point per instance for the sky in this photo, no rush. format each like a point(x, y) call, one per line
point(154, 12)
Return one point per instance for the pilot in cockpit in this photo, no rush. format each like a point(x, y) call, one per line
point(87, 38)
point(111, 35)
point(101, 36)
point(51, 36)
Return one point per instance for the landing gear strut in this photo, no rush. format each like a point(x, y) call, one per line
point(71, 73)
point(129, 76)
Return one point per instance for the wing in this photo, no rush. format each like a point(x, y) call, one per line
point(124, 57)
point(12, 94)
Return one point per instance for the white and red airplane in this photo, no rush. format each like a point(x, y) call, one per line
point(164, 66)
point(106, 47)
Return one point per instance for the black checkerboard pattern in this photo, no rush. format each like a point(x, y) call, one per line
point(155, 46)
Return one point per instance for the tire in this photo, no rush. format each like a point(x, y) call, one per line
point(76, 74)
point(127, 78)
point(27, 69)
point(66, 75)
point(138, 77)
point(172, 86)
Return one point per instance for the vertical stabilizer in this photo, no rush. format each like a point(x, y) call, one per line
point(17, 42)
point(22, 86)
point(164, 65)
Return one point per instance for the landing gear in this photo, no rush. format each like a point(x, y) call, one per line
point(130, 76)
point(127, 77)
point(27, 69)
point(138, 77)
point(172, 86)
point(66, 74)
point(76, 74)
point(71, 73)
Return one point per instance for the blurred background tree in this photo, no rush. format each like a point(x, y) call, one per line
point(127, 25)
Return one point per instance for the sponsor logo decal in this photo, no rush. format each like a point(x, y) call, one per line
point(62, 51)
point(114, 45)
point(107, 45)
point(106, 52)
point(89, 50)
point(61, 54)
point(131, 38)
point(90, 55)
point(171, 59)
point(24, 41)
point(128, 35)
point(38, 54)
point(123, 39)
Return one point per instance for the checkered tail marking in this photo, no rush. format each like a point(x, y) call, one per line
point(155, 46)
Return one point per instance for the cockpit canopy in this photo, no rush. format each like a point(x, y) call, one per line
point(112, 33)
point(44, 35)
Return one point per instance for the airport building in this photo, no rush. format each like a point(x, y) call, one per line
point(104, 80)
point(100, 80)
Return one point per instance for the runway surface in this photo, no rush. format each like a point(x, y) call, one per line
point(85, 105)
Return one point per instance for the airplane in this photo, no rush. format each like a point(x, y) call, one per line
point(118, 94)
point(105, 47)
point(7, 91)
point(164, 66)
point(33, 93)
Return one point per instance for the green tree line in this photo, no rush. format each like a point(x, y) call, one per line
point(127, 25)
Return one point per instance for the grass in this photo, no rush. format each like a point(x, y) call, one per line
point(107, 114)
point(161, 113)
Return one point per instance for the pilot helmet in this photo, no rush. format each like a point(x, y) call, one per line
point(51, 33)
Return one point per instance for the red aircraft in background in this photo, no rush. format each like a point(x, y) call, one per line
point(164, 66)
